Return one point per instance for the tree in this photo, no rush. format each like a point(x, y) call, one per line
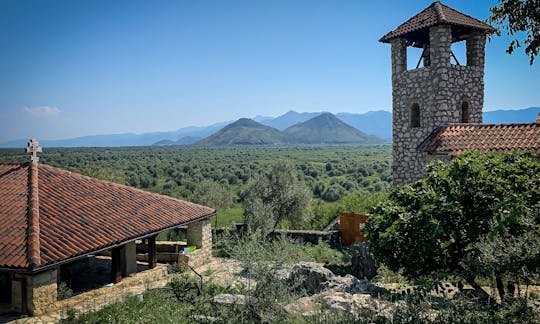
point(519, 16)
point(277, 196)
point(446, 222)
point(212, 194)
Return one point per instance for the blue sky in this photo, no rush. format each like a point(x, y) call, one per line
point(72, 68)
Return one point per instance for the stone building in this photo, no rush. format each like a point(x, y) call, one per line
point(439, 90)
point(51, 220)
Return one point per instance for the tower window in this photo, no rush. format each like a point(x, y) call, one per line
point(414, 115)
point(465, 112)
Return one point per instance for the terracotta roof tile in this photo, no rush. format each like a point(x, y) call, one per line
point(454, 139)
point(436, 14)
point(76, 215)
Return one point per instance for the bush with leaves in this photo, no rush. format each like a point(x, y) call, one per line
point(445, 222)
point(277, 196)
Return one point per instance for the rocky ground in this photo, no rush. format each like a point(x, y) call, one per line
point(324, 291)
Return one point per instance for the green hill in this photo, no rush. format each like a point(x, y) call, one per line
point(244, 131)
point(327, 129)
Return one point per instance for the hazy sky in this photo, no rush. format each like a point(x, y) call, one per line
point(71, 68)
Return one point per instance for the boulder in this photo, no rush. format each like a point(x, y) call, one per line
point(311, 277)
point(314, 278)
point(362, 263)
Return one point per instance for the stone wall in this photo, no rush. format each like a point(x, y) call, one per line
point(199, 234)
point(439, 89)
point(38, 291)
point(331, 236)
point(96, 299)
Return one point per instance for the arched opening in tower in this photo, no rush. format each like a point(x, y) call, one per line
point(464, 112)
point(414, 115)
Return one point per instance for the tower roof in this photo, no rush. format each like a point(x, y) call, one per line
point(416, 28)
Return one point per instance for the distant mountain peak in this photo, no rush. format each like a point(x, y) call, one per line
point(326, 128)
point(244, 122)
point(244, 131)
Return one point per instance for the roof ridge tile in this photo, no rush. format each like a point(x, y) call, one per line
point(441, 17)
point(34, 251)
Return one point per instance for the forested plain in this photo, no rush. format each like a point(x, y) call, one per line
point(340, 177)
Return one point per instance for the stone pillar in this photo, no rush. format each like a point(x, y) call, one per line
point(440, 41)
point(200, 234)
point(476, 45)
point(18, 294)
point(425, 56)
point(116, 265)
point(129, 255)
point(123, 261)
point(399, 55)
point(35, 294)
point(152, 255)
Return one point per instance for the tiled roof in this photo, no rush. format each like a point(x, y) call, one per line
point(436, 14)
point(74, 215)
point(454, 139)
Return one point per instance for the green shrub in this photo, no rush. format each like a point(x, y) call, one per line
point(64, 291)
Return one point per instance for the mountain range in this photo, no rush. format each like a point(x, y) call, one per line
point(378, 123)
point(324, 128)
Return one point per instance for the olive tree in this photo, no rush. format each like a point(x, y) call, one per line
point(449, 221)
point(276, 196)
point(212, 194)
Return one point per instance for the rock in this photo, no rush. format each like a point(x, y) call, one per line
point(335, 302)
point(366, 287)
point(314, 278)
point(363, 264)
point(283, 274)
point(346, 302)
point(305, 306)
point(311, 277)
point(230, 299)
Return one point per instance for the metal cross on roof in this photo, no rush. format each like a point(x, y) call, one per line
point(34, 148)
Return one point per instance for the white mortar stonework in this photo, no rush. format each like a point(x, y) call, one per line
point(439, 89)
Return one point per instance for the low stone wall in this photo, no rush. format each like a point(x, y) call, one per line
point(331, 237)
point(313, 237)
point(98, 298)
point(197, 258)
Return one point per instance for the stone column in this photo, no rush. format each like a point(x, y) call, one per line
point(35, 293)
point(399, 55)
point(123, 261)
point(152, 255)
point(129, 255)
point(440, 41)
point(425, 56)
point(18, 294)
point(476, 45)
point(200, 234)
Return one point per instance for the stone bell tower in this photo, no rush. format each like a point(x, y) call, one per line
point(440, 91)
